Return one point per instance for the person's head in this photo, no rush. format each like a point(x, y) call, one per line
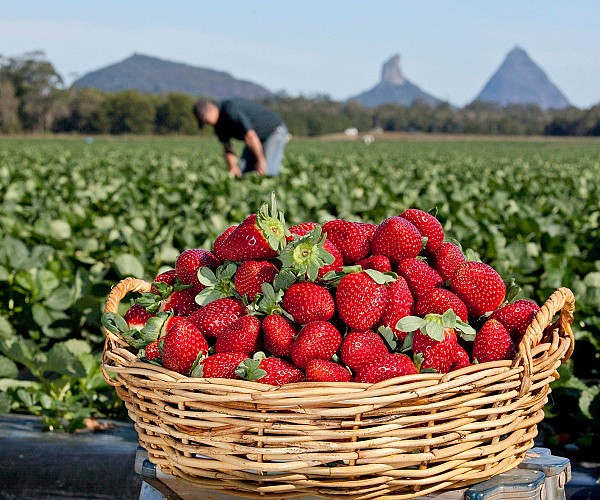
point(206, 112)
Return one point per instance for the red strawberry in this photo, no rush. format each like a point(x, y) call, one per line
point(301, 229)
point(137, 316)
point(316, 340)
point(428, 226)
point(361, 349)
point(397, 239)
point(152, 351)
point(516, 317)
point(445, 259)
point(438, 301)
point(278, 334)
point(461, 359)
point(360, 299)
point(419, 276)
point(479, 286)
point(350, 239)
point(215, 316)
point(242, 335)
point(378, 262)
point(188, 263)
point(272, 371)
point(251, 275)
point(400, 305)
point(493, 343)
point(182, 303)
point(259, 236)
point(307, 302)
point(393, 365)
point(323, 370)
point(367, 228)
point(222, 365)
point(169, 277)
point(437, 355)
point(220, 240)
point(182, 345)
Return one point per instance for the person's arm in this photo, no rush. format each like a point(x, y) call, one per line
point(255, 146)
point(231, 159)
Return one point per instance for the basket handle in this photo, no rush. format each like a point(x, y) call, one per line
point(563, 301)
point(117, 293)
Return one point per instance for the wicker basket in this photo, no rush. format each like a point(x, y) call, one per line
point(397, 439)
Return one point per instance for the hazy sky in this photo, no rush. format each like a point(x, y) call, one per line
point(334, 47)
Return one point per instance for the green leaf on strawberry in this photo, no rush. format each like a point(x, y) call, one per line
point(272, 224)
point(217, 284)
point(249, 368)
point(305, 254)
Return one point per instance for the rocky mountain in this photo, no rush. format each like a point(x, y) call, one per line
point(521, 81)
point(394, 88)
point(152, 75)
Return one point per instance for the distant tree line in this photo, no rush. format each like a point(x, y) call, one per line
point(33, 98)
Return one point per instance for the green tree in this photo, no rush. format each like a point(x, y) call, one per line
point(38, 87)
point(127, 112)
point(175, 115)
point(9, 109)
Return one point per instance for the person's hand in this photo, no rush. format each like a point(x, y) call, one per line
point(235, 171)
point(261, 167)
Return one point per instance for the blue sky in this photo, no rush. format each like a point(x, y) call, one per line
point(333, 47)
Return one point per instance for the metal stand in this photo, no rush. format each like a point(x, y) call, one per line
point(541, 476)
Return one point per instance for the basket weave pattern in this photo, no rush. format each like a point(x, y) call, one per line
point(397, 439)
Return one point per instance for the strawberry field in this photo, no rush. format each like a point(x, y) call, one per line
point(77, 216)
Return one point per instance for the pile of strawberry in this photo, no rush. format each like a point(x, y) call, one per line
point(345, 301)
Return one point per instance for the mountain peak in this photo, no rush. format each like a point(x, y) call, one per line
point(519, 80)
point(391, 72)
point(393, 88)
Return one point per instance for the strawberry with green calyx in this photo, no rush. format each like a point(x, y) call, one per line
point(446, 258)
point(479, 286)
point(190, 261)
point(251, 275)
point(221, 365)
point(430, 228)
point(215, 316)
point(419, 276)
point(435, 339)
point(137, 316)
point(361, 298)
point(516, 317)
point(350, 238)
point(310, 255)
point(169, 277)
point(217, 284)
point(361, 348)
point(307, 301)
point(438, 301)
point(323, 370)
point(400, 304)
point(378, 262)
point(316, 340)
point(391, 366)
point(182, 347)
point(397, 239)
point(165, 295)
point(153, 329)
point(151, 352)
point(493, 343)
point(259, 236)
point(242, 335)
point(272, 371)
